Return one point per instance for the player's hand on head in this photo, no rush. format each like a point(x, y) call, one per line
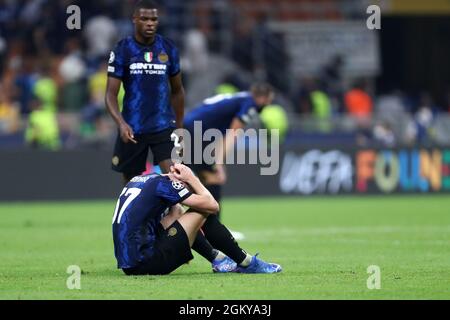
point(173, 171)
point(182, 172)
point(126, 133)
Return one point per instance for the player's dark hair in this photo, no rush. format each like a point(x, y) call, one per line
point(262, 89)
point(145, 4)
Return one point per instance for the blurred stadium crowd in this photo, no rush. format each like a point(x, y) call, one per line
point(52, 80)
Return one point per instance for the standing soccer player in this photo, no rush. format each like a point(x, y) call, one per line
point(148, 66)
point(227, 113)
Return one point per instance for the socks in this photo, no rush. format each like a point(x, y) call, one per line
point(220, 255)
point(216, 192)
point(204, 248)
point(246, 261)
point(221, 239)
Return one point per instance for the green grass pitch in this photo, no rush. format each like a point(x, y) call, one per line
point(325, 246)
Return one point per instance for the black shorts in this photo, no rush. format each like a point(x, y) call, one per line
point(202, 166)
point(130, 158)
point(171, 250)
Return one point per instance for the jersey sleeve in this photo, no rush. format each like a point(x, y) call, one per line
point(175, 66)
point(116, 63)
point(247, 111)
point(172, 192)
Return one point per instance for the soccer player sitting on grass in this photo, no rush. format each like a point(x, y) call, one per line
point(152, 234)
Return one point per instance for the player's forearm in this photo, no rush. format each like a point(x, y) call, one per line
point(208, 203)
point(225, 146)
point(197, 186)
point(112, 105)
point(177, 100)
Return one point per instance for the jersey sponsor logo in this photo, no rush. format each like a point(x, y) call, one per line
point(148, 56)
point(111, 69)
point(177, 185)
point(147, 68)
point(163, 57)
point(112, 57)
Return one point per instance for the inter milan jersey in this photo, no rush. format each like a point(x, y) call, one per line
point(145, 72)
point(144, 201)
point(218, 112)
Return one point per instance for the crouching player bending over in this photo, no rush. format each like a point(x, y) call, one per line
point(152, 234)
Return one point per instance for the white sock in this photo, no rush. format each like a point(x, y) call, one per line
point(246, 261)
point(220, 255)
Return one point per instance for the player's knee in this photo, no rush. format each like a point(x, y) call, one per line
point(214, 208)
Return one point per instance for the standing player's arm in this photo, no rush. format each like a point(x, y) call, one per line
point(224, 147)
point(177, 98)
point(231, 136)
point(112, 104)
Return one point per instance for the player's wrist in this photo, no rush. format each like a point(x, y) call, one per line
point(122, 123)
point(192, 180)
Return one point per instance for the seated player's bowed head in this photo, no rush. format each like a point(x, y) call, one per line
point(263, 94)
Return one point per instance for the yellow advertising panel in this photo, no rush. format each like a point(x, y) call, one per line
point(434, 7)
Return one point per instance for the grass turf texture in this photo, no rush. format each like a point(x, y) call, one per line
point(324, 245)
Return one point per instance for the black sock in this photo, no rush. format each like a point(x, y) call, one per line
point(216, 192)
point(221, 239)
point(204, 248)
